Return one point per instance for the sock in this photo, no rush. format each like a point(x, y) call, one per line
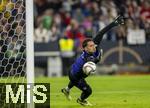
point(67, 88)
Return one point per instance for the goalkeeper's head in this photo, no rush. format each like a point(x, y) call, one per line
point(89, 46)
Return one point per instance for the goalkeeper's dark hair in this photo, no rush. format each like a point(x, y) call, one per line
point(85, 42)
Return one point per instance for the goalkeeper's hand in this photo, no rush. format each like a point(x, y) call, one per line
point(120, 20)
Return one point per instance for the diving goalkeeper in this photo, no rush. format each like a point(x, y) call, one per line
point(92, 53)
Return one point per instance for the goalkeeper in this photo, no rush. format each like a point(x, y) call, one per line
point(92, 53)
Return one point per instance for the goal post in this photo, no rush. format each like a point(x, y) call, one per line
point(16, 46)
point(30, 46)
point(29, 41)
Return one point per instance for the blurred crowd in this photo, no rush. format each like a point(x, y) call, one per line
point(78, 19)
point(68, 22)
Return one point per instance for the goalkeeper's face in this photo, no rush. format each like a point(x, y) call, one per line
point(91, 47)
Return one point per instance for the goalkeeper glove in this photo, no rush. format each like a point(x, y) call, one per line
point(120, 20)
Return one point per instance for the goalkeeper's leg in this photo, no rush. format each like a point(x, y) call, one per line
point(86, 92)
point(66, 91)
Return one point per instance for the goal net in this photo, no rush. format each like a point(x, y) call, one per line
point(14, 40)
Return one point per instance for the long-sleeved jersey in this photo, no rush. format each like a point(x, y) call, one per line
point(76, 69)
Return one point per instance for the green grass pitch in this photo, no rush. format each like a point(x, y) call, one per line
point(108, 92)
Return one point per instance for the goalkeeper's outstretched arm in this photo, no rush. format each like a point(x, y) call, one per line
point(118, 21)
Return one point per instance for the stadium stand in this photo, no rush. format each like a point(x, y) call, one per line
point(78, 19)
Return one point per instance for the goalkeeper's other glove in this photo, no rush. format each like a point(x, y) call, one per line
point(120, 20)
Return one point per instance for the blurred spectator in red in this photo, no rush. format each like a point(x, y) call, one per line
point(66, 17)
point(145, 18)
point(145, 11)
point(72, 31)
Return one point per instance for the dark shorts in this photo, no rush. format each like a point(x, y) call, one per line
point(79, 82)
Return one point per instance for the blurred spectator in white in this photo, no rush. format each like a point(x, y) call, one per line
point(111, 10)
point(135, 35)
point(41, 34)
point(67, 5)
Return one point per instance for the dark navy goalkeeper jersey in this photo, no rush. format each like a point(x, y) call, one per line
point(76, 69)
